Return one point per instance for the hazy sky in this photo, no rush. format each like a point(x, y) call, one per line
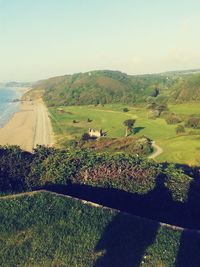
point(43, 38)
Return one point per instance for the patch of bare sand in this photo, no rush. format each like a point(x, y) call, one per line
point(23, 128)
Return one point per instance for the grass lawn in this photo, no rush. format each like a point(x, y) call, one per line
point(180, 149)
point(44, 229)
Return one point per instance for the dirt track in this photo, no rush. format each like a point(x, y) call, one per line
point(157, 151)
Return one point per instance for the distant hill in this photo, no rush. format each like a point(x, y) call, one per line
point(106, 86)
point(46, 229)
point(18, 84)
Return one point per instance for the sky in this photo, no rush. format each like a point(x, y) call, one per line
point(45, 38)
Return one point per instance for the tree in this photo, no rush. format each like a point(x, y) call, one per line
point(129, 125)
point(125, 110)
point(155, 92)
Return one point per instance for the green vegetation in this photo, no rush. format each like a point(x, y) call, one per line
point(129, 145)
point(193, 122)
point(177, 148)
point(101, 87)
point(129, 124)
point(44, 229)
point(47, 229)
point(187, 89)
point(180, 129)
point(104, 87)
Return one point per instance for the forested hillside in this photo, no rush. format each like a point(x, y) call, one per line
point(101, 87)
point(187, 89)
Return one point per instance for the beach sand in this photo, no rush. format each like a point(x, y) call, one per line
point(28, 127)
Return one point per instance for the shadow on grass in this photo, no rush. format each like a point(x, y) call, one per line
point(157, 204)
point(124, 243)
point(137, 129)
point(189, 250)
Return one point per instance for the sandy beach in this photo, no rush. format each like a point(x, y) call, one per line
point(28, 127)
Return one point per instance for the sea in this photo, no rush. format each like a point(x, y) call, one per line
point(7, 107)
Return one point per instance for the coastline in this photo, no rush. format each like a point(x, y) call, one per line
point(29, 126)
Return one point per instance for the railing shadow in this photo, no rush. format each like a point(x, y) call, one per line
point(157, 204)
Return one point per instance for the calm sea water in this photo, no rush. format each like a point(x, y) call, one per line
point(7, 107)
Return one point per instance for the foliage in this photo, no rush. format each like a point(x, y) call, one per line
point(180, 129)
point(193, 122)
point(100, 87)
point(129, 124)
point(157, 105)
point(14, 168)
point(177, 182)
point(125, 109)
point(173, 119)
point(155, 92)
point(131, 145)
point(53, 166)
point(186, 89)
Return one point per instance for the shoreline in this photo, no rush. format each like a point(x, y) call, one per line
point(29, 126)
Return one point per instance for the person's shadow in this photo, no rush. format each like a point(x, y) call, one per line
point(125, 241)
point(126, 238)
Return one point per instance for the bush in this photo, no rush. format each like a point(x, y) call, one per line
point(125, 110)
point(153, 114)
point(173, 119)
point(178, 183)
point(180, 129)
point(193, 122)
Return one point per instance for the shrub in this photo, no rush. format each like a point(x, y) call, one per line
point(178, 183)
point(173, 119)
point(193, 122)
point(180, 129)
point(125, 110)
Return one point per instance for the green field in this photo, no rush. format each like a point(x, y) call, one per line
point(45, 229)
point(180, 149)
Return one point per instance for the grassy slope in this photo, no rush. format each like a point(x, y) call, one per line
point(182, 149)
point(44, 229)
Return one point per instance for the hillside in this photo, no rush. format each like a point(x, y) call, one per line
point(46, 229)
point(101, 87)
point(187, 89)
